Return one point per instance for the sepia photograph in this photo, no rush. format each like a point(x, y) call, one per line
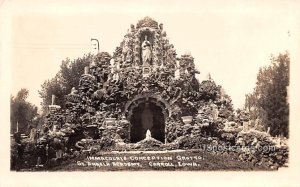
point(130, 87)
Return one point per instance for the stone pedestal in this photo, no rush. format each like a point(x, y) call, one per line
point(54, 107)
point(86, 70)
point(187, 119)
point(110, 121)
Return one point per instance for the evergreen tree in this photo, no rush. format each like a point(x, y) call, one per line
point(22, 112)
point(268, 102)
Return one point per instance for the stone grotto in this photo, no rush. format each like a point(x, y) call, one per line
point(146, 88)
point(145, 84)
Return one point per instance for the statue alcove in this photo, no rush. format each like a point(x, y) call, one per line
point(150, 38)
point(140, 118)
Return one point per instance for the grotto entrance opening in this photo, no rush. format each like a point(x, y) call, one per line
point(147, 116)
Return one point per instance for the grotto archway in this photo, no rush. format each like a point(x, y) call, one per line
point(147, 113)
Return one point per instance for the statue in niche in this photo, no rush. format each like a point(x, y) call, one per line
point(146, 52)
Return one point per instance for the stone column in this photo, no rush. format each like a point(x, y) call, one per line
point(53, 100)
point(86, 70)
point(245, 126)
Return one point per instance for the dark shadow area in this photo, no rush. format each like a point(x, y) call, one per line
point(138, 132)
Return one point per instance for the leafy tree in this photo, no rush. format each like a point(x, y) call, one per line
point(209, 90)
point(268, 102)
point(61, 85)
point(22, 112)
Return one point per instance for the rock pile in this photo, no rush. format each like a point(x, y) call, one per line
point(261, 148)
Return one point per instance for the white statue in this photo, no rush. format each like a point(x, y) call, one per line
point(177, 71)
point(146, 52)
point(73, 90)
point(114, 71)
point(148, 134)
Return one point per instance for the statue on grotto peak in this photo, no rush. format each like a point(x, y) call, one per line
point(161, 26)
point(146, 51)
point(132, 29)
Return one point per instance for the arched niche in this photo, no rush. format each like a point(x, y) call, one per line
point(150, 97)
point(139, 38)
point(159, 111)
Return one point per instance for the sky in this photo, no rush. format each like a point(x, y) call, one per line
point(231, 40)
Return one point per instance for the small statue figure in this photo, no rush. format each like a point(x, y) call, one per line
point(127, 51)
point(33, 134)
point(74, 91)
point(148, 135)
point(132, 29)
point(146, 52)
point(161, 26)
